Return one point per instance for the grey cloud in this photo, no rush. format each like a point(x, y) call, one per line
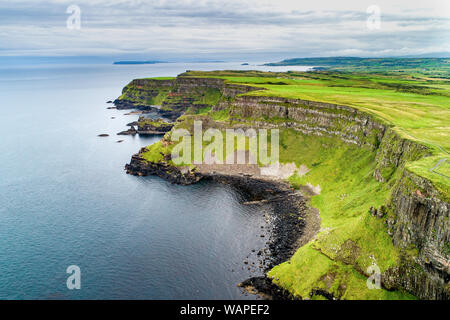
point(167, 26)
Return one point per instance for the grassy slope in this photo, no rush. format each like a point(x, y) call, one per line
point(418, 108)
point(348, 191)
point(350, 239)
point(433, 67)
point(156, 151)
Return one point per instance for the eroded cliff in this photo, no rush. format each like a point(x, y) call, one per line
point(415, 213)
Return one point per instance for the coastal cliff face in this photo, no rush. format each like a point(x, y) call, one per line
point(140, 167)
point(416, 214)
point(419, 219)
point(171, 98)
point(394, 152)
point(310, 117)
point(151, 126)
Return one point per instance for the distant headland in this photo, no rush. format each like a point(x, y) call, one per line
point(138, 62)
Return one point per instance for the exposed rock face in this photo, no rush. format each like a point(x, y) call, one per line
point(175, 96)
point(148, 126)
point(138, 94)
point(310, 117)
point(125, 104)
point(417, 214)
point(394, 152)
point(140, 167)
point(288, 216)
point(289, 211)
point(420, 218)
point(266, 288)
point(421, 221)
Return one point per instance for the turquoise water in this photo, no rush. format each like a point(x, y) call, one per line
point(66, 200)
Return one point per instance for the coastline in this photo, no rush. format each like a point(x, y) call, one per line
point(294, 217)
point(339, 134)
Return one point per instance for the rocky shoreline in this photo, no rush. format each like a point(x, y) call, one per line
point(417, 212)
point(287, 217)
point(147, 126)
point(139, 167)
point(123, 104)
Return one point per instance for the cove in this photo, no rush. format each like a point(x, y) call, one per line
point(66, 199)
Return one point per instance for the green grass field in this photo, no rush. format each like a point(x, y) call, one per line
point(418, 108)
point(432, 67)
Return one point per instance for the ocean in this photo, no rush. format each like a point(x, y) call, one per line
point(65, 198)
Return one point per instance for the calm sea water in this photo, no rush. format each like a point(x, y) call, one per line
point(66, 200)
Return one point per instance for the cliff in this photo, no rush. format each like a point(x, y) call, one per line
point(310, 117)
point(419, 217)
point(174, 97)
point(410, 209)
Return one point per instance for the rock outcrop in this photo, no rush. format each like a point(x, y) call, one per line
point(171, 98)
point(147, 126)
point(419, 215)
point(394, 152)
point(310, 117)
point(180, 175)
point(152, 126)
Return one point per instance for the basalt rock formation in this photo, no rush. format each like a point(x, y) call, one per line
point(417, 214)
point(150, 126)
point(171, 98)
point(310, 117)
point(140, 167)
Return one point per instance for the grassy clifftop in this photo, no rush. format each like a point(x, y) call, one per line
point(351, 239)
point(418, 108)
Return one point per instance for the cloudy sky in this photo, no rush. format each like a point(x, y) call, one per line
point(164, 29)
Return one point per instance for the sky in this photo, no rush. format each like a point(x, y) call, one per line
point(223, 30)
